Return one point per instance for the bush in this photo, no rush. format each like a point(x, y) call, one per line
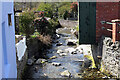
point(65, 15)
point(65, 6)
point(41, 24)
point(25, 21)
point(47, 7)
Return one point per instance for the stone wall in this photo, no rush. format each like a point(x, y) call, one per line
point(110, 62)
point(21, 65)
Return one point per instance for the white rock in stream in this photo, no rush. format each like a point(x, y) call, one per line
point(59, 44)
point(59, 51)
point(72, 41)
point(69, 50)
point(56, 64)
point(58, 36)
point(66, 73)
point(63, 54)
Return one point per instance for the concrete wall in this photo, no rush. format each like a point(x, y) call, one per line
point(7, 35)
point(110, 57)
point(106, 11)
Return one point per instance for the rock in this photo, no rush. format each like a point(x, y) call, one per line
point(35, 68)
point(99, 57)
point(66, 73)
point(58, 36)
point(63, 54)
point(53, 57)
point(81, 51)
point(59, 44)
point(71, 44)
point(39, 61)
point(87, 63)
point(59, 51)
point(70, 50)
point(74, 52)
point(105, 77)
point(56, 64)
point(30, 62)
point(81, 60)
point(45, 74)
point(56, 41)
point(98, 72)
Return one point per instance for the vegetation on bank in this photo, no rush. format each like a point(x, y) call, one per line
point(25, 23)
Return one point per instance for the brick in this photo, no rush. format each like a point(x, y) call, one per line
point(106, 11)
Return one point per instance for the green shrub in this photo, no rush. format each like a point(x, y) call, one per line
point(47, 7)
point(64, 6)
point(41, 25)
point(65, 15)
point(25, 23)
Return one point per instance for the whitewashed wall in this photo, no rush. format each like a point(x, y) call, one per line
point(9, 69)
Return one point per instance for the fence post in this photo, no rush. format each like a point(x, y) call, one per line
point(114, 32)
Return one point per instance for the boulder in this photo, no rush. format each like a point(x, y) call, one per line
point(70, 50)
point(58, 44)
point(66, 73)
point(87, 63)
point(39, 61)
point(58, 36)
point(56, 64)
point(63, 54)
point(59, 51)
point(74, 52)
point(53, 57)
point(71, 44)
point(30, 62)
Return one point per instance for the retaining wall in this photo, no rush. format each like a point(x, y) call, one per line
point(110, 56)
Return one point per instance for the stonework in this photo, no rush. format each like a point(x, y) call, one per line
point(111, 57)
point(21, 65)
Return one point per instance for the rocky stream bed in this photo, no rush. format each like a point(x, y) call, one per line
point(66, 59)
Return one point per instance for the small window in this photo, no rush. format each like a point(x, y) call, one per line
point(9, 20)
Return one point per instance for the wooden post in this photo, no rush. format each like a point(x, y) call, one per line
point(114, 32)
point(114, 26)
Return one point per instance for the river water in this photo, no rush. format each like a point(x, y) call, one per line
point(71, 62)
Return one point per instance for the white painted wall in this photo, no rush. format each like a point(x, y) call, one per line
point(0, 41)
point(9, 69)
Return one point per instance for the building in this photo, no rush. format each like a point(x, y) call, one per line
point(91, 18)
point(7, 41)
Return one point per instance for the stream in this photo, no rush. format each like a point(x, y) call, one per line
point(65, 60)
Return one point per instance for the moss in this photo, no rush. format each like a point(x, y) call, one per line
point(91, 58)
point(102, 69)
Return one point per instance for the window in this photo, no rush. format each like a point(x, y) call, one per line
point(9, 20)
